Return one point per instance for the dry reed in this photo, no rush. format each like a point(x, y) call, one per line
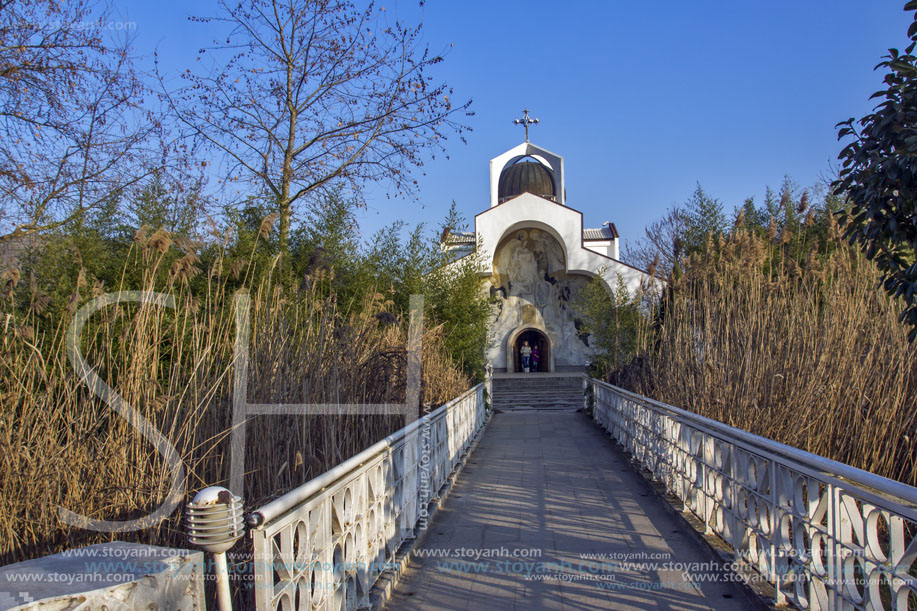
point(62, 447)
point(803, 349)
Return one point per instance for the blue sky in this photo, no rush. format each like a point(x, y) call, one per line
point(643, 99)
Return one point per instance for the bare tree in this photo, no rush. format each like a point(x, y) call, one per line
point(307, 92)
point(70, 120)
point(662, 247)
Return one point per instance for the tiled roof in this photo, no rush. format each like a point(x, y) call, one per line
point(607, 232)
point(460, 237)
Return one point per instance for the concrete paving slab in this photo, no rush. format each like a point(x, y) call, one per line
point(548, 515)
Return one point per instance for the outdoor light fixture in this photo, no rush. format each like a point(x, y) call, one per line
point(214, 521)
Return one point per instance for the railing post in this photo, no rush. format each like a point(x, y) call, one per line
point(706, 483)
point(836, 533)
point(734, 510)
point(772, 516)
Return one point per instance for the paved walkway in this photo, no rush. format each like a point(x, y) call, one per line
point(542, 490)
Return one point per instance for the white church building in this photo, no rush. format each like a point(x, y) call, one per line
point(537, 255)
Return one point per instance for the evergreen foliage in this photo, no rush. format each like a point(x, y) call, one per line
point(704, 217)
point(879, 177)
point(613, 319)
point(329, 257)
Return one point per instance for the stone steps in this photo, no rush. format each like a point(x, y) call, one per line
point(535, 392)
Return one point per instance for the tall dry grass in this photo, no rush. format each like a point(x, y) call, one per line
point(802, 348)
point(63, 447)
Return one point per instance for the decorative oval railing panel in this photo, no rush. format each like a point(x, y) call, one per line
point(324, 544)
point(826, 535)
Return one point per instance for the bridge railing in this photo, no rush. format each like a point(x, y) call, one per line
point(324, 544)
point(825, 534)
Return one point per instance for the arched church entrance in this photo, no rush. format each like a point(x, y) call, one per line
point(535, 338)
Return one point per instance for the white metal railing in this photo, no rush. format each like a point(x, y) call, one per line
point(324, 544)
point(825, 534)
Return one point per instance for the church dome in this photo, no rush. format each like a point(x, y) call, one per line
point(526, 176)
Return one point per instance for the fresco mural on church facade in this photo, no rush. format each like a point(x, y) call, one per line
point(532, 289)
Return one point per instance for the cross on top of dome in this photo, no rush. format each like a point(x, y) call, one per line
point(525, 121)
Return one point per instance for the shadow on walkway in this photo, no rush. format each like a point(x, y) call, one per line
point(547, 514)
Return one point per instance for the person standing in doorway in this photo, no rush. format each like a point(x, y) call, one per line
point(536, 356)
point(525, 353)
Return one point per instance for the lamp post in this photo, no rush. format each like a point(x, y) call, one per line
point(215, 523)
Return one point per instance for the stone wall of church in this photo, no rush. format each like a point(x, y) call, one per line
point(533, 289)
